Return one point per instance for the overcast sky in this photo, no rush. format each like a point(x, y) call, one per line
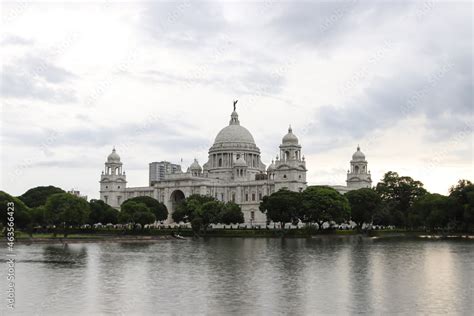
point(157, 80)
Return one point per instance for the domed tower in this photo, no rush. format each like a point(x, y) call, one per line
point(234, 147)
point(358, 176)
point(290, 168)
point(113, 181)
point(195, 169)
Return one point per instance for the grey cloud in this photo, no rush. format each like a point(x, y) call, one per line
point(445, 102)
point(184, 23)
point(34, 78)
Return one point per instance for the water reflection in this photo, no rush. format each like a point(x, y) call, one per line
point(246, 276)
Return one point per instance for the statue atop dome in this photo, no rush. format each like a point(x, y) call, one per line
point(235, 103)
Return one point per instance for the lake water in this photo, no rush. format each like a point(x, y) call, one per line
point(244, 276)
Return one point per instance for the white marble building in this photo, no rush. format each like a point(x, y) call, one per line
point(234, 172)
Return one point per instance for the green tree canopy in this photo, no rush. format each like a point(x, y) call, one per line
point(157, 208)
point(103, 213)
point(231, 214)
point(67, 209)
point(462, 195)
point(430, 210)
point(132, 212)
point(364, 204)
point(35, 197)
point(398, 194)
point(324, 204)
point(21, 214)
point(282, 207)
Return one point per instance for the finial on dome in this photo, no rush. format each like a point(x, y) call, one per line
point(235, 103)
point(358, 147)
point(290, 130)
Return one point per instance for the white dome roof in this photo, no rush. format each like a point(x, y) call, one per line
point(358, 155)
point(271, 167)
point(290, 138)
point(234, 133)
point(195, 166)
point(113, 157)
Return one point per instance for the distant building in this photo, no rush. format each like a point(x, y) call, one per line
point(234, 172)
point(77, 193)
point(159, 170)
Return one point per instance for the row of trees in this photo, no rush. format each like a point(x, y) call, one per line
point(201, 211)
point(44, 206)
point(396, 200)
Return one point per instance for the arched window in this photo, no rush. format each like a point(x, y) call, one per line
point(356, 169)
point(287, 155)
point(220, 162)
point(284, 176)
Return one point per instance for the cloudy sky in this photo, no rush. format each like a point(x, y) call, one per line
point(157, 80)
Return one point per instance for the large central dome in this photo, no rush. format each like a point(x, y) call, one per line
point(234, 133)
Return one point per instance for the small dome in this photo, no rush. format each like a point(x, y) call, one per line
point(113, 157)
point(195, 166)
point(240, 162)
point(290, 138)
point(358, 155)
point(271, 167)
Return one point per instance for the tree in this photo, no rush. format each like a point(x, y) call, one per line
point(462, 196)
point(398, 194)
point(364, 204)
point(322, 204)
point(132, 212)
point(64, 209)
point(157, 208)
point(21, 214)
point(231, 214)
point(431, 210)
point(35, 197)
point(37, 216)
point(210, 213)
point(144, 218)
point(103, 213)
point(190, 208)
point(282, 207)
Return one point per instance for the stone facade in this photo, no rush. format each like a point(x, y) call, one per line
point(234, 172)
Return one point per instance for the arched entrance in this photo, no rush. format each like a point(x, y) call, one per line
point(176, 197)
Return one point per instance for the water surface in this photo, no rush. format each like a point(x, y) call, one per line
point(244, 276)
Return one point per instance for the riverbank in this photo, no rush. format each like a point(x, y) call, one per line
point(169, 234)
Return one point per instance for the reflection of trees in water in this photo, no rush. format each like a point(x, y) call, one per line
point(64, 256)
point(361, 277)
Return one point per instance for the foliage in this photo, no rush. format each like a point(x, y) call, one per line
point(463, 197)
point(364, 204)
point(231, 214)
point(398, 194)
point(133, 212)
point(21, 214)
point(430, 210)
point(66, 209)
point(282, 206)
point(37, 196)
point(157, 208)
point(202, 210)
point(324, 204)
point(101, 212)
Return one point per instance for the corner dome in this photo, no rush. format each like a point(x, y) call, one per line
point(195, 166)
point(113, 157)
point(271, 167)
point(358, 155)
point(290, 138)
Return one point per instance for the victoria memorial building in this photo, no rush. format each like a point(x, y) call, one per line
point(234, 172)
